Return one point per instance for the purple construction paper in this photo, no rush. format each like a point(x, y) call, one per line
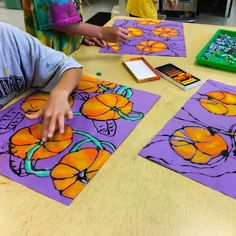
point(218, 173)
point(113, 131)
point(175, 45)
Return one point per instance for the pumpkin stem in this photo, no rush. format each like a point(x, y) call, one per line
point(77, 113)
point(28, 163)
point(77, 145)
point(90, 139)
point(113, 148)
point(82, 176)
point(105, 89)
point(98, 144)
point(127, 90)
point(139, 116)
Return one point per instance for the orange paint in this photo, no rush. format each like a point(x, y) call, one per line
point(134, 32)
point(36, 101)
point(166, 32)
point(148, 22)
point(92, 85)
point(115, 47)
point(197, 144)
point(151, 46)
point(25, 139)
point(220, 103)
point(106, 107)
point(76, 169)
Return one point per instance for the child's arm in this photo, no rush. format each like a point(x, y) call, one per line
point(109, 34)
point(58, 74)
point(64, 17)
point(92, 41)
point(57, 107)
point(29, 64)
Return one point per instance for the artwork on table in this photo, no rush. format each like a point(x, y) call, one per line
point(104, 114)
point(199, 142)
point(150, 37)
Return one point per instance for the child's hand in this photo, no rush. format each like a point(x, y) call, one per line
point(114, 34)
point(53, 113)
point(57, 108)
point(171, 4)
point(92, 41)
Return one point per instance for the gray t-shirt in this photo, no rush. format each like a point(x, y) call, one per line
point(26, 63)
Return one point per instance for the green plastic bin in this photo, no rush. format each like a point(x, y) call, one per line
point(13, 4)
point(216, 62)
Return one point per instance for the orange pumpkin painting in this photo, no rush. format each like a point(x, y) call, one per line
point(151, 46)
point(150, 37)
point(148, 22)
point(27, 138)
point(106, 107)
point(134, 32)
point(199, 141)
point(76, 169)
point(114, 46)
point(197, 144)
point(166, 32)
point(36, 101)
point(220, 103)
point(91, 85)
point(104, 114)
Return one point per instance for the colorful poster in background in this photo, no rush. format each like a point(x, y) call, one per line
point(150, 37)
point(199, 142)
point(104, 114)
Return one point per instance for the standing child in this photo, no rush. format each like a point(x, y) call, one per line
point(142, 8)
point(26, 63)
point(147, 8)
point(58, 24)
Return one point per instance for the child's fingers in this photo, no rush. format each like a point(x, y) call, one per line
point(124, 34)
point(122, 40)
point(103, 42)
point(97, 42)
point(88, 42)
point(61, 123)
point(52, 126)
point(169, 4)
point(46, 123)
point(36, 115)
point(51, 122)
point(92, 41)
point(124, 31)
point(100, 43)
point(70, 115)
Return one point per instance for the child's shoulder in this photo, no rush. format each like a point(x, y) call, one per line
point(4, 25)
point(5, 28)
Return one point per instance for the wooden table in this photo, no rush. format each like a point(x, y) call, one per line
point(131, 196)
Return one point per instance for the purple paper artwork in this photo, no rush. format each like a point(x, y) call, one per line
point(199, 141)
point(104, 114)
point(150, 37)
